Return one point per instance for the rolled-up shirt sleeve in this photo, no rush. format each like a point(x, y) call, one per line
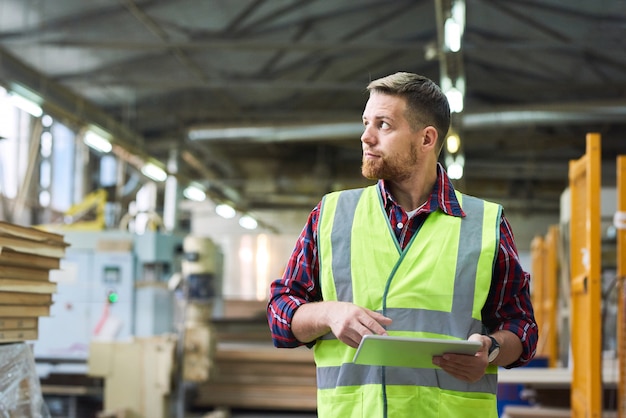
point(298, 285)
point(508, 305)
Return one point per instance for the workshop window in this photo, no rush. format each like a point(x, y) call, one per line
point(15, 131)
point(63, 167)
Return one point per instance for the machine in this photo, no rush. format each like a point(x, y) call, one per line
point(112, 285)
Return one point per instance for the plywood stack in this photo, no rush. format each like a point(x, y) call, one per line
point(250, 373)
point(260, 376)
point(27, 255)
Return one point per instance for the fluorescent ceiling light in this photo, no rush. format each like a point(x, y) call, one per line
point(248, 222)
point(195, 193)
point(455, 166)
point(455, 171)
point(95, 141)
point(452, 35)
point(279, 133)
point(458, 13)
point(154, 172)
point(25, 104)
point(47, 121)
point(455, 98)
point(225, 211)
point(453, 143)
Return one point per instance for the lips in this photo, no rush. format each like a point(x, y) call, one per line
point(369, 154)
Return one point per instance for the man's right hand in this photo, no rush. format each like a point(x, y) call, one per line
point(347, 321)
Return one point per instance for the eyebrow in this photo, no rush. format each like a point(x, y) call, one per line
point(379, 117)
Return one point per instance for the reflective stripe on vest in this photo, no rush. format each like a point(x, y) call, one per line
point(453, 309)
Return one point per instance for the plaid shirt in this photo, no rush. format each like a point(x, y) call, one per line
point(508, 306)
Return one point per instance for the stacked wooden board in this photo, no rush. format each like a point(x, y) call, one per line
point(259, 376)
point(249, 372)
point(27, 255)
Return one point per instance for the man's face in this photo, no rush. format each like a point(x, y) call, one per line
point(389, 145)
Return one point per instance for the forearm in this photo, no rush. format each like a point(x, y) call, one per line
point(510, 348)
point(309, 323)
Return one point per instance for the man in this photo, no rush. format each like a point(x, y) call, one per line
point(408, 256)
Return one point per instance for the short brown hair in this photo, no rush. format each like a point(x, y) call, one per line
point(427, 105)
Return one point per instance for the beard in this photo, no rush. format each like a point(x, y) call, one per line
point(395, 167)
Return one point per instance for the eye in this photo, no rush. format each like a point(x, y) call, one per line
point(384, 125)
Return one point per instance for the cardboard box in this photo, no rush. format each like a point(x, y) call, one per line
point(137, 373)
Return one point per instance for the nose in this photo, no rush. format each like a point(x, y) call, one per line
point(367, 137)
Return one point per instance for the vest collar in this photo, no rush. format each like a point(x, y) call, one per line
point(441, 197)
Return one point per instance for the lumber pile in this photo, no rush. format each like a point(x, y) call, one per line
point(260, 376)
point(27, 255)
point(249, 372)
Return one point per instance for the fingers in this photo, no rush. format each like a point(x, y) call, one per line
point(469, 368)
point(353, 339)
point(351, 322)
point(375, 323)
point(362, 325)
point(486, 342)
point(380, 318)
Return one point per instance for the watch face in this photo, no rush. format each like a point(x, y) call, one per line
point(493, 354)
point(494, 350)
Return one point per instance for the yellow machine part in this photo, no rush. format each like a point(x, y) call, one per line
point(93, 202)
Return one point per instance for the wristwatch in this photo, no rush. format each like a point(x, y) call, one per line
point(494, 350)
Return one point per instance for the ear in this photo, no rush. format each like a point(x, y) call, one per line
point(429, 138)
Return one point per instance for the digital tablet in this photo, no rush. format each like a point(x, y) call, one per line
point(381, 350)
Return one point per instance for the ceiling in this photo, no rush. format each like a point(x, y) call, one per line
point(539, 75)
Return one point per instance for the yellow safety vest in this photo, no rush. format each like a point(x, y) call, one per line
point(435, 287)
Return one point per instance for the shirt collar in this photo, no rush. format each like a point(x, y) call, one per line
point(441, 197)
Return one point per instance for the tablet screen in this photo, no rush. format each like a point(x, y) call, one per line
point(380, 350)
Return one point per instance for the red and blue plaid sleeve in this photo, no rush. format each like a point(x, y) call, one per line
point(508, 305)
point(298, 285)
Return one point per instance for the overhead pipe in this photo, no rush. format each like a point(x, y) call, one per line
point(540, 114)
point(552, 114)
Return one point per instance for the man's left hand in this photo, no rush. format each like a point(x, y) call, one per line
point(469, 368)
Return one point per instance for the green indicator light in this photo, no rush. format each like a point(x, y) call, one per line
point(113, 297)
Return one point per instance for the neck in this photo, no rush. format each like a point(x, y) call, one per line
point(412, 192)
